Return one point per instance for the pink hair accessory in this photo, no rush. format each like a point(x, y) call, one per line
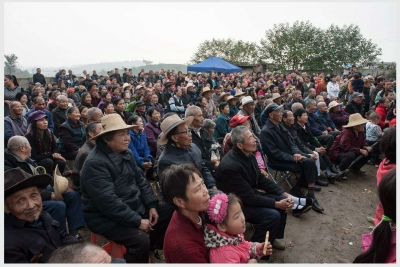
point(218, 207)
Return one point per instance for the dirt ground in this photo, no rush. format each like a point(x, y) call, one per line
point(333, 236)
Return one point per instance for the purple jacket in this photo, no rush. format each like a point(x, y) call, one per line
point(340, 118)
point(152, 131)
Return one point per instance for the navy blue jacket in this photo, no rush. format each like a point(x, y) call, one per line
point(315, 124)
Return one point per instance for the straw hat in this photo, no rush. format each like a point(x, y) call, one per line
point(222, 95)
point(112, 122)
point(332, 105)
point(207, 89)
point(170, 123)
point(239, 93)
point(60, 184)
point(230, 98)
point(275, 96)
point(355, 119)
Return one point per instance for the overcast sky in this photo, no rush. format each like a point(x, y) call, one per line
point(65, 34)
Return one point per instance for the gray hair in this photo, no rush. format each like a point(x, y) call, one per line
point(208, 124)
point(323, 93)
point(237, 135)
point(310, 102)
point(296, 106)
point(191, 110)
point(12, 103)
point(92, 111)
point(374, 116)
point(61, 97)
point(15, 142)
point(319, 98)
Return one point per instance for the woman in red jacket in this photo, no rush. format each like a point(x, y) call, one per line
point(381, 109)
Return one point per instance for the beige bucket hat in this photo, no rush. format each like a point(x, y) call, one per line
point(170, 123)
point(112, 122)
point(355, 119)
point(275, 96)
point(60, 184)
point(205, 90)
point(332, 105)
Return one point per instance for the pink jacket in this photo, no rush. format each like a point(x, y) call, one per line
point(382, 170)
point(226, 252)
point(367, 241)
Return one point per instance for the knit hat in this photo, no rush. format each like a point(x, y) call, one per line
point(218, 208)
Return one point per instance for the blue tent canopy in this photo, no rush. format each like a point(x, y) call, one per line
point(214, 64)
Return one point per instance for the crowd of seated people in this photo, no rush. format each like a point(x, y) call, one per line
point(209, 141)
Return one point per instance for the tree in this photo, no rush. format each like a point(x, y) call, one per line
point(10, 64)
point(227, 49)
point(303, 46)
point(147, 62)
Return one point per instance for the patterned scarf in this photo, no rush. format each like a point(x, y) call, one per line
point(213, 239)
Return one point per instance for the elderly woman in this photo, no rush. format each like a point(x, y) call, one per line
point(86, 100)
point(118, 202)
point(15, 123)
point(52, 104)
point(119, 106)
point(44, 147)
point(60, 113)
point(11, 89)
point(338, 116)
point(209, 126)
point(202, 104)
point(350, 144)
point(23, 99)
point(138, 144)
point(152, 129)
point(233, 108)
point(72, 134)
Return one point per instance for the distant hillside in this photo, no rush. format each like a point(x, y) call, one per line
point(102, 68)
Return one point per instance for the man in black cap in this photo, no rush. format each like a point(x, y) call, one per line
point(30, 234)
point(355, 105)
point(141, 111)
point(284, 155)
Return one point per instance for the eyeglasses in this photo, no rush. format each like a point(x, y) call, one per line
point(185, 132)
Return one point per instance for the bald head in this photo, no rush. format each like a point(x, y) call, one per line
point(312, 92)
point(296, 106)
point(322, 107)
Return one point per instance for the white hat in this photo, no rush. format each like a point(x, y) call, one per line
point(246, 100)
point(139, 86)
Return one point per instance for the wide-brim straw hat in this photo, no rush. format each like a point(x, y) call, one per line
point(222, 95)
point(170, 123)
point(112, 122)
point(207, 89)
point(60, 184)
point(239, 94)
point(275, 96)
point(231, 97)
point(355, 119)
point(332, 105)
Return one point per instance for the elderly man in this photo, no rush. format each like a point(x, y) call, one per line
point(284, 155)
point(318, 129)
point(179, 149)
point(200, 137)
point(92, 129)
point(322, 114)
point(264, 203)
point(355, 105)
point(15, 123)
point(312, 93)
point(211, 108)
point(297, 98)
point(94, 114)
point(18, 154)
point(40, 105)
point(247, 109)
point(30, 234)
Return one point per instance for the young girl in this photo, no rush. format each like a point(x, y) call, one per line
point(224, 237)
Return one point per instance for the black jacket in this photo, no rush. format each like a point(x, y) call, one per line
point(353, 108)
point(277, 144)
point(12, 161)
point(306, 136)
point(114, 190)
point(204, 144)
point(59, 117)
point(39, 78)
point(239, 174)
point(298, 142)
point(257, 112)
point(22, 240)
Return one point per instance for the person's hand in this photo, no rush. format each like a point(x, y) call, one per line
point(153, 216)
point(368, 148)
point(297, 157)
point(320, 150)
point(314, 157)
point(265, 173)
point(144, 225)
point(260, 248)
point(364, 152)
point(290, 201)
point(216, 165)
point(282, 204)
point(325, 132)
point(252, 261)
point(7, 102)
point(147, 165)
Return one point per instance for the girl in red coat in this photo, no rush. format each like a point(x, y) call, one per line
point(381, 109)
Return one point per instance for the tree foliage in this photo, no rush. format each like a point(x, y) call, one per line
point(227, 49)
point(10, 64)
point(147, 62)
point(304, 46)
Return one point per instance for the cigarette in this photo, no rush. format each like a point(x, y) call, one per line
point(266, 243)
